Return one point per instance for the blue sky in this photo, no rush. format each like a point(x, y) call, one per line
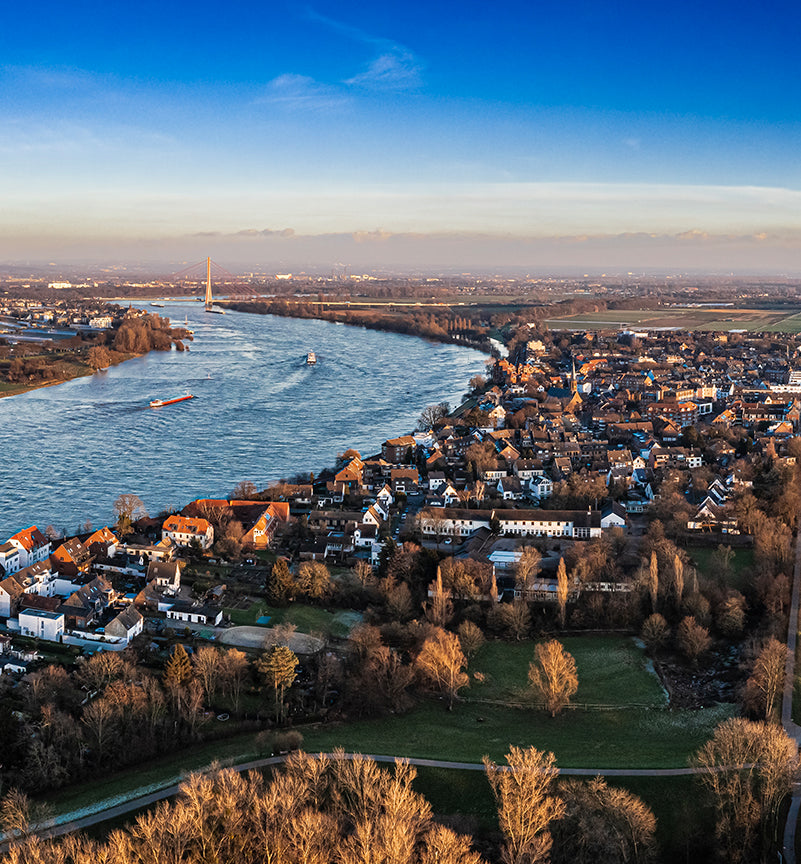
point(303, 134)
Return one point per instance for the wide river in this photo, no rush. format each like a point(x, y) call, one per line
point(66, 452)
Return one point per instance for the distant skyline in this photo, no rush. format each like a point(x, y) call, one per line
point(412, 136)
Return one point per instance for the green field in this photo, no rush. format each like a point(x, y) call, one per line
point(742, 563)
point(308, 619)
point(705, 318)
point(611, 671)
point(622, 738)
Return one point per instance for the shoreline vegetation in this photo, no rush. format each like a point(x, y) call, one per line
point(31, 367)
point(469, 328)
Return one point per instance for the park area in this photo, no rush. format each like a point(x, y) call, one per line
point(620, 717)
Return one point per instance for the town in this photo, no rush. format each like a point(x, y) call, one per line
point(594, 485)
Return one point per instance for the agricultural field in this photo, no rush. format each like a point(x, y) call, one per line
point(707, 318)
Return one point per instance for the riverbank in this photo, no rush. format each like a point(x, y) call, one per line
point(82, 370)
point(23, 368)
point(442, 325)
point(252, 387)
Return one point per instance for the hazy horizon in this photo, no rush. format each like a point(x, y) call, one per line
point(403, 137)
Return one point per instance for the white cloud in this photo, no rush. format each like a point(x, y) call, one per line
point(301, 93)
point(394, 70)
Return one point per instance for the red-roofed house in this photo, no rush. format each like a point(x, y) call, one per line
point(182, 530)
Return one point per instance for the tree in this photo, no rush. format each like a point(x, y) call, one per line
point(245, 490)
point(655, 632)
point(692, 638)
point(553, 676)
point(470, 637)
point(385, 680)
point(314, 580)
point(129, 508)
point(748, 767)
point(439, 608)
point(441, 663)
point(278, 667)
point(208, 666)
point(678, 578)
point(764, 687)
point(603, 823)
point(510, 620)
point(526, 805)
point(99, 357)
point(653, 580)
point(731, 615)
point(178, 671)
point(561, 591)
point(282, 585)
point(527, 569)
point(233, 669)
point(431, 415)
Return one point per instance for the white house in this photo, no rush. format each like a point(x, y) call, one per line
point(540, 487)
point(41, 624)
point(126, 625)
point(195, 614)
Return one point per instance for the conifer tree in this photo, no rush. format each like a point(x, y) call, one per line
point(278, 667)
point(282, 584)
point(178, 670)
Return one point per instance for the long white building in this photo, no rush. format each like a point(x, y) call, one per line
point(451, 522)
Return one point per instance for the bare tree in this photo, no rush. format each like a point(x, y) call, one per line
point(655, 632)
point(233, 669)
point(764, 688)
point(129, 508)
point(439, 608)
point(470, 637)
point(678, 578)
point(603, 823)
point(244, 490)
point(527, 569)
point(526, 805)
point(561, 591)
point(208, 666)
point(748, 767)
point(431, 415)
point(692, 638)
point(314, 580)
point(653, 580)
point(553, 676)
point(441, 663)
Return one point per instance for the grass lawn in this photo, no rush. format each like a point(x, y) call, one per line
point(308, 619)
point(611, 671)
point(741, 564)
point(680, 805)
point(159, 773)
point(624, 738)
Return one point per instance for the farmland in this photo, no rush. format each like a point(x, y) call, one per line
point(685, 318)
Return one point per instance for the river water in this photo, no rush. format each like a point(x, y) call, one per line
point(66, 452)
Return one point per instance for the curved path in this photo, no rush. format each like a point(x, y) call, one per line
point(104, 810)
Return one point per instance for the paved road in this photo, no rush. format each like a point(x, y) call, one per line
point(66, 823)
point(792, 729)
